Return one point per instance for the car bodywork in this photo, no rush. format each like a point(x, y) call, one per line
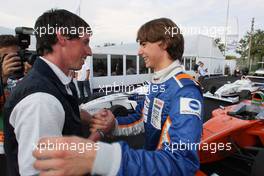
point(119, 102)
point(238, 133)
point(230, 92)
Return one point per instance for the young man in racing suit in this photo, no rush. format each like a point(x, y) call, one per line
point(170, 116)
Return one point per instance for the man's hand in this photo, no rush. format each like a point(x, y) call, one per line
point(85, 117)
point(103, 120)
point(75, 156)
point(11, 63)
point(27, 67)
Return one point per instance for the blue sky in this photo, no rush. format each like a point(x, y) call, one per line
point(118, 20)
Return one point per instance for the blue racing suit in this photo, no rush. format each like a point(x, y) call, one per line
point(170, 116)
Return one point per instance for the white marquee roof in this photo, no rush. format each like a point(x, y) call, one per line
point(195, 45)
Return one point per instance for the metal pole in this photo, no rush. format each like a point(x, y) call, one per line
point(227, 16)
point(250, 43)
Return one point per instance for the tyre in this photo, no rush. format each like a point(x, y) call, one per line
point(212, 89)
point(244, 95)
point(119, 110)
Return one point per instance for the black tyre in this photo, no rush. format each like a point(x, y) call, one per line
point(244, 95)
point(119, 110)
point(212, 89)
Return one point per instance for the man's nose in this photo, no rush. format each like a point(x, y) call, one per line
point(140, 51)
point(88, 51)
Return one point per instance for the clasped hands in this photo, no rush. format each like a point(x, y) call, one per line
point(103, 120)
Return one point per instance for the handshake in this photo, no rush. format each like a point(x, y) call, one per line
point(102, 121)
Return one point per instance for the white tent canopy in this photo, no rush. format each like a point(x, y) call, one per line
point(197, 48)
point(201, 46)
point(195, 45)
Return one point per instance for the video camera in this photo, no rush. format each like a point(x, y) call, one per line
point(23, 36)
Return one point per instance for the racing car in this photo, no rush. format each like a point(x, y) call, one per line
point(236, 91)
point(233, 139)
point(121, 104)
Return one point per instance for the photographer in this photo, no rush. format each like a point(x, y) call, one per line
point(8, 54)
point(10, 61)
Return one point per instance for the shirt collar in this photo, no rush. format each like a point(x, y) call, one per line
point(166, 73)
point(58, 72)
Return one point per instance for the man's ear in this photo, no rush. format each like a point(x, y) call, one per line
point(61, 39)
point(163, 45)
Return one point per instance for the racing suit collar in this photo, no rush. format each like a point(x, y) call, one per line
point(166, 73)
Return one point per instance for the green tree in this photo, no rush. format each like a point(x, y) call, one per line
point(220, 44)
point(257, 46)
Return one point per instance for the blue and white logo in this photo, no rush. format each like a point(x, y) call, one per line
point(194, 105)
point(190, 106)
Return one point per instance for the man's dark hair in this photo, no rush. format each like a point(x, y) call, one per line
point(55, 19)
point(162, 30)
point(8, 40)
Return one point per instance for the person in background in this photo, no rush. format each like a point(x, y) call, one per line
point(237, 72)
point(202, 73)
point(83, 82)
point(10, 61)
point(202, 70)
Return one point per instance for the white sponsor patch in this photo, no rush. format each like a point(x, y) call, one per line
point(190, 106)
point(156, 113)
point(146, 109)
